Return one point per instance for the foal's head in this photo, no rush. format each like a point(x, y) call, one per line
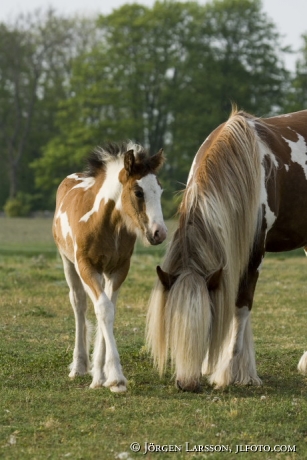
point(141, 194)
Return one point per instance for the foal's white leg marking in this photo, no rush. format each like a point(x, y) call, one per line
point(237, 363)
point(106, 361)
point(99, 354)
point(105, 313)
point(77, 296)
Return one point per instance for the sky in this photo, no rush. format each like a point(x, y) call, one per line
point(288, 15)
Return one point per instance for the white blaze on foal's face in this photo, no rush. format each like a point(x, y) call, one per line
point(155, 227)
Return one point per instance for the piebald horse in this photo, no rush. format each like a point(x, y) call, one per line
point(246, 194)
point(98, 216)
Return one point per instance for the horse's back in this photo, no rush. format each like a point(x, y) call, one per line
point(296, 121)
point(72, 185)
point(286, 186)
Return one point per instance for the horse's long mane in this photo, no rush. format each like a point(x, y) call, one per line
point(219, 218)
point(99, 157)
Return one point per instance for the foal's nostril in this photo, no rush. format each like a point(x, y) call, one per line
point(156, 234)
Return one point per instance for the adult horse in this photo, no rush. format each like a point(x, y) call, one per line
point(246, 194)
point(98, 215)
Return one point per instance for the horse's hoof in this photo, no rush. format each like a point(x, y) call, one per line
point(118, 388)
point(193, 387)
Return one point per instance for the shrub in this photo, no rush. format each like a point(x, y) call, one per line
point(20, 206)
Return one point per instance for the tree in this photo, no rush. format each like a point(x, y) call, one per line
point(297, 98)
point(233, 56)
point(35, 62)
point(167, 76)
point(122, 88)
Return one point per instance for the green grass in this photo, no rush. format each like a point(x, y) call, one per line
point(45, 415)
point(26, 236)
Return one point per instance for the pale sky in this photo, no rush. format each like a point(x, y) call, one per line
point(290, 16)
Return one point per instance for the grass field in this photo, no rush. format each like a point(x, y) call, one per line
point(45, 415)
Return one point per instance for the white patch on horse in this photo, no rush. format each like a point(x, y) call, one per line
point(85, 182)
point(110, 190)
point(65, 227)
point(298, 151)
point(74, 176)
point(269, 215)
point(152, 194)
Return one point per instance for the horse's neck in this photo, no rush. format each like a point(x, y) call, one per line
point(106, 197)
point(105, 212)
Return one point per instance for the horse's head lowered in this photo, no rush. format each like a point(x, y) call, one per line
point(141, 194)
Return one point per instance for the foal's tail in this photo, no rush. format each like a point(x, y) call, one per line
point(179, 323)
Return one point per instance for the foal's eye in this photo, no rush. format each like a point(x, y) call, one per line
point(139, 194)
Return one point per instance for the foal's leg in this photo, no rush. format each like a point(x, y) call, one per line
point(237, 363)
point(99, 354)
point(77, 296)
point(110, 367)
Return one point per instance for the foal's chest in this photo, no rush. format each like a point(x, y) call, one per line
point(110, 251)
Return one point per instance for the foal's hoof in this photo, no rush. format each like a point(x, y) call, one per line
point(78, 369)
point(116, 385)
point(76, 373)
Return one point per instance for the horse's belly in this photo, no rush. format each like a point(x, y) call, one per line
point(279, 241)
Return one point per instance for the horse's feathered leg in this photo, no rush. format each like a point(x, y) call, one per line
point(237, 362)
point(77, 296)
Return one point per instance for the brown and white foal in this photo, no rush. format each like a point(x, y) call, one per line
point(98, 216)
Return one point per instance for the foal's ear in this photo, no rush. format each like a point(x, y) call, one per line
point(166, 278)
point(157, 161)
point(129, 162)
point(213, 281)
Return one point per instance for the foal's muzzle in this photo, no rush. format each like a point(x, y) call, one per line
point(156, 234)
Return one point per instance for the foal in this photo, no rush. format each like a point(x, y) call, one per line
point(98, 215)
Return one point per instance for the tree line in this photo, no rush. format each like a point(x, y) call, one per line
point(163, 76)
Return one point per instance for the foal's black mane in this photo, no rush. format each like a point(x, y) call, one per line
point(111, 151)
